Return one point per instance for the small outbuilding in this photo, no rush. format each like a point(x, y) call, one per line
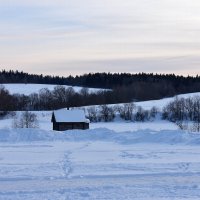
point(65, 119)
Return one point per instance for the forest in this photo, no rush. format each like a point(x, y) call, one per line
point(100, 80)
point(123, 87)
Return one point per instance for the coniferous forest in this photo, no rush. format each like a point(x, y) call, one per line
point(101, 80)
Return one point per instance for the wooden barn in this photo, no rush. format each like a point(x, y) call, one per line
point(64, 119)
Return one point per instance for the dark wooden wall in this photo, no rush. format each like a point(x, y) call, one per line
point(62, 126)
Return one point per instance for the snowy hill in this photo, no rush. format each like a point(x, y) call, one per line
point(27, 89)
point(162, 102)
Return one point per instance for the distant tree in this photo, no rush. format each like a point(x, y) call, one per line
point(33, 101)
point(182, 110)
point(153, 112)
point(70, 94)
point(175, 110)
point(197, 113)
point(92, 114)
point(125, 87)
point(7, 102)
point(26, 120)
point(84, 92)
point(45, 99)
point(165, 113)
point(60, 97)
point(141, 115)
point(189, 108)
point(126, 111)
point(106, 113)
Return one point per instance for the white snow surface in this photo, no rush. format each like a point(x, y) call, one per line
point(28, 89)
point(75, 115)
point(99, 164)
point(100, 134)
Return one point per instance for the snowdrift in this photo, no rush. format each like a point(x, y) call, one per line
point(101, 134)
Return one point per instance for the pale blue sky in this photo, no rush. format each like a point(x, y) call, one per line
point(65, 37)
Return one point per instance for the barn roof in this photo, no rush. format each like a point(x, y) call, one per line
point(64, 115)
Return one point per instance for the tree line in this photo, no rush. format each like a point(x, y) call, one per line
point(59, 97)
point(127, 112)
point(185, 112)
point(62, 97)
point(137, 87)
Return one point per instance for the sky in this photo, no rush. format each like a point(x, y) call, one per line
point(63, 37)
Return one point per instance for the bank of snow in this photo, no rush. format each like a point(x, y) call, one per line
point(101, 134)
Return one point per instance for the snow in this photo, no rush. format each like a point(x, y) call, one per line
point(101, 134)
point(99, 164)
point(117, 160)
point(135, 126)
point(64, 115)
point(147, 105)
point(27, 89)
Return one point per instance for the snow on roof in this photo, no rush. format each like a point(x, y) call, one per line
point(64, 115)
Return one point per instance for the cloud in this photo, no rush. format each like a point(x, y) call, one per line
point(114, 33)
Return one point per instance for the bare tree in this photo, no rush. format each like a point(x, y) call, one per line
point(33, 101)
point(183, 110)
point(153, 112)
point(92, 114)
point(126, 111)
point(84, 92)
point(45, 98)
point(197, 113)
point(25, 120)
point(175, 110)
point(189, 108)
point(6, 100)
point(106, 113)
point(141, 115)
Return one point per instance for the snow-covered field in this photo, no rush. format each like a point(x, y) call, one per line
point(27, 89)
point(99, 164)
point(116, 160)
